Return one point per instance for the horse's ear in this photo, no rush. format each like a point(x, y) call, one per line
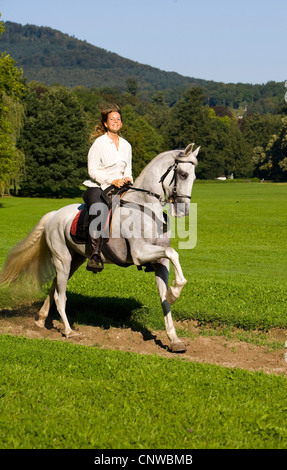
point(195, 153)
point(188, 149)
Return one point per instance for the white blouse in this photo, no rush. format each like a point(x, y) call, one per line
point(107, 163)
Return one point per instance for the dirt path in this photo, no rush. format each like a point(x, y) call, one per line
point(206, 349)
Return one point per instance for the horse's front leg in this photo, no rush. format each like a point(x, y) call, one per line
point(161, 277)
point(143, 252)
point(174, 291)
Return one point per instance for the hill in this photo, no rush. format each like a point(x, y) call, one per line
point(50, 56)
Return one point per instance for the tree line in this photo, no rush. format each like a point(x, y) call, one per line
point(50, 56)
point(44, 133)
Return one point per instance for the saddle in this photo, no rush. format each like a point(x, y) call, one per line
point(80, 225)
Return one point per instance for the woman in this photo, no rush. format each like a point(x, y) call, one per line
point(109, 164)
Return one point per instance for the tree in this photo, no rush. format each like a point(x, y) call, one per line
point(187, 120)
point(55, 142)
point(132, 86)
point(157, 113)
point(257, 128)
point(271, 161)
point(11, 90)
point(145, 141)
point(222, 146)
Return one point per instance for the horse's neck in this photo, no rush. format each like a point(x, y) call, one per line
point(148, 181)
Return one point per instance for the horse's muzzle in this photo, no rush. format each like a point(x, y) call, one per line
point(179, 209)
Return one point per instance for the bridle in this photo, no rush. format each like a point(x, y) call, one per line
point(172, 198)
point(168, 199)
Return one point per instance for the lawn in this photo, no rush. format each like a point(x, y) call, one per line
point(60, 395)
point(64, 396)
point(236, 273)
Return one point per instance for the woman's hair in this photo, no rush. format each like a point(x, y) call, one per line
point(100, 128)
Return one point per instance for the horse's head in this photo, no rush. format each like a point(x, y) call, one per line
point(178, 184)
point(169, 177)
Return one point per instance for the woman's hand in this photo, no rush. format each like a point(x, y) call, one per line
point(128, 180)
point(118, 183)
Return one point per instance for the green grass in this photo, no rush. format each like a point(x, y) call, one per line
point(240, 261)
point(239, 265)
point(59, 395)
point(236, 273)
point(55, 395)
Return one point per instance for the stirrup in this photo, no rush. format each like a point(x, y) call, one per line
point(95, 265)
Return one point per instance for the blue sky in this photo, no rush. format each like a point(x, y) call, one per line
point(222, 40)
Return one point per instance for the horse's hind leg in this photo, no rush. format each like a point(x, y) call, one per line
point(62, 268)
point(161, 276)
point(43, 313)
point(65, 269)
point(58, 291)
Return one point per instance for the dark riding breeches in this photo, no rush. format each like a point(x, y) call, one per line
point(97, 210)
point(93, 198)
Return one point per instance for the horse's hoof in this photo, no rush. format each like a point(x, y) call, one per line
point(178, 347)
point(72, 334)
point(40, 323)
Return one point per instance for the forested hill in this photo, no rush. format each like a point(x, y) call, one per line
point(49, 56)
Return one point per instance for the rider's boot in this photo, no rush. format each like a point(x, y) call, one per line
point(95, 263)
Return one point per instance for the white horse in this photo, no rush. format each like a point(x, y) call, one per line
point(50, 248)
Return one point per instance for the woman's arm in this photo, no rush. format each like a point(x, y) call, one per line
point(128, 169)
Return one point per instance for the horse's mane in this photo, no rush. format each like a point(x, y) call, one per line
point(172, 154)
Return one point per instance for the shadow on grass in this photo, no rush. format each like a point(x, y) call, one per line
point(103, 312)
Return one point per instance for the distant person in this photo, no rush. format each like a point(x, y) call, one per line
point(109, 164)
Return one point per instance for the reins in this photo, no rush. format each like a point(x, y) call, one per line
point(144, 191)
point(162, 225)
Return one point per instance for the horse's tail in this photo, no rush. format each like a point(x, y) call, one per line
point(30, 258)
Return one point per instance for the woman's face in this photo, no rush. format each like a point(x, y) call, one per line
point(114, 122)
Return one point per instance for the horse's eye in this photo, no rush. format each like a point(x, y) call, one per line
point(183, 175)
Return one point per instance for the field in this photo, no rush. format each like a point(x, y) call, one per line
point(232, 313)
